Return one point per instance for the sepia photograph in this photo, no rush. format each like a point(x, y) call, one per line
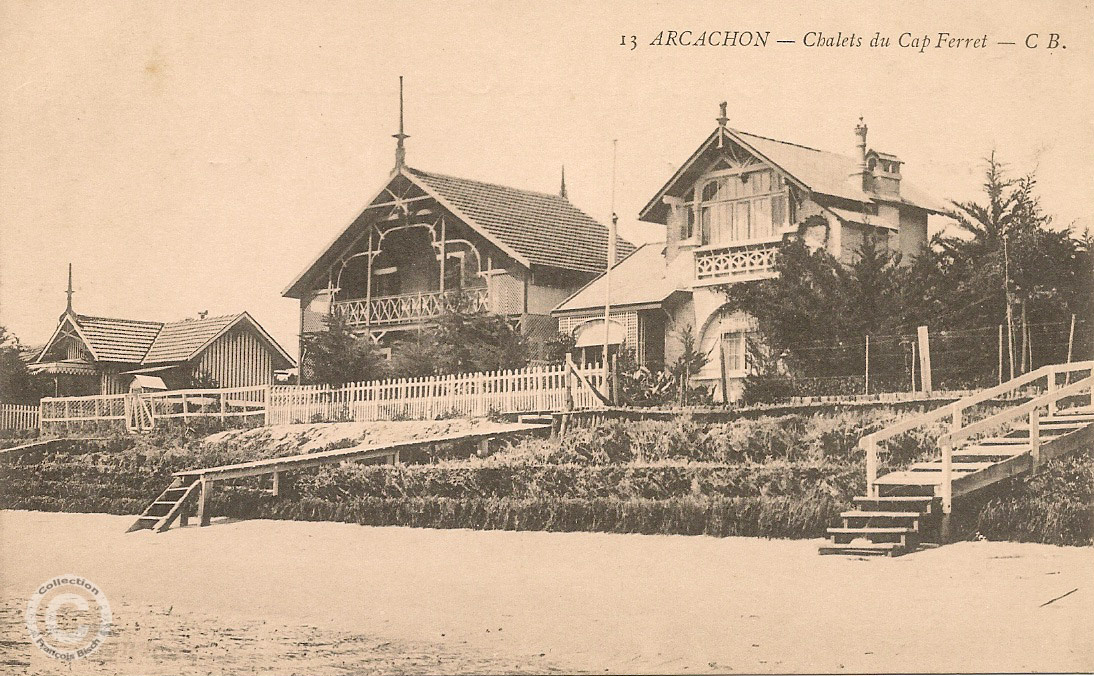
point(344, 338)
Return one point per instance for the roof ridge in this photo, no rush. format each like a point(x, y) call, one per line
point(120, 319)
point(203, 319)
point(540, 193)
point(789, 143)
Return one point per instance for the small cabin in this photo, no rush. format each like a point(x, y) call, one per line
point(89, 355)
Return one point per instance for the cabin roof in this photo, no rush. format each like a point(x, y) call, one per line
point(819, 171)
point(179, 341)
point(121, 340)
point(546, 229)
point(534, 228)
point(639, 279)
point(133, 341)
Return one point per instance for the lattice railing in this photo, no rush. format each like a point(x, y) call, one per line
point(753, 261)
point(408, 308)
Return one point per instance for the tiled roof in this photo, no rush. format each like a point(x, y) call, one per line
point(143, 342)
point(546, 229)
point(178, 341)
point(821, 171)
point(826, 172)
point(122, 340)
point(639, 279)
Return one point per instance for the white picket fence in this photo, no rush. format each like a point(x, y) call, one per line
point(141, 411)
point(536, 388)
point(532, 389)
point(18, 417)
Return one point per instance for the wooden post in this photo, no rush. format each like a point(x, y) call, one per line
point(276, 484)
point(866, 389)
point(1051, 390)
point(184, 514)
point(223, 407)
point(1000, 354)
point(924, 359)
point(203, 501)
point(871, 467)
point(484, 447)
point(722, 364)
point(946, 489)
point(1070, 344)
point(1035, 438)
point(569, 383)
point(615, 379)
point(956, 418)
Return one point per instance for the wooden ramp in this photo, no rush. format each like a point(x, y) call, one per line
point(197, 484)
point(905, 508)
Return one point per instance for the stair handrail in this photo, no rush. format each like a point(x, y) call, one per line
point(1023, 410)
point(955, 411)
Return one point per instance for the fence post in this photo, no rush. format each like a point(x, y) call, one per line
point(1051, 390)
point(924, 359)
point(41, 417)
point(267, 393)
point(871, 467)
point(947, 486)
point(569, 383)
point(1035, 437)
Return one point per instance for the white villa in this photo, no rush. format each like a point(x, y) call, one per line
point(725, 212)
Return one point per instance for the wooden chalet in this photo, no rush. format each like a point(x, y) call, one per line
point(725, 213)
point(98, 355)
point(427, 241)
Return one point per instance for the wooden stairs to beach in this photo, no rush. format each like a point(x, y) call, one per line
point(170, 505)
point(197, 484)
point(904, 509)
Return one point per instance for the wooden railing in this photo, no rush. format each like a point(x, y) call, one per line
point(955, 412)
point(537, 388)
point(737, 262)
point(409, 308)
point(18, 417)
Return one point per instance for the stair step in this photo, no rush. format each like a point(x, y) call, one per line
point(865, 548)
point(865, 530)
point(989, 451)
point(936, 466)
point(870, 514)
point(905, 478)
point(902, 504)
point(164, 502)
point(145, 517)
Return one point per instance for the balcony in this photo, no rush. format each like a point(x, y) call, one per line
point(736, 263)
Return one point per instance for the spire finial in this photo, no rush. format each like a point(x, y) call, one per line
point(400, 147)
point(69, 292)
point(562, 188)
point(722, 119)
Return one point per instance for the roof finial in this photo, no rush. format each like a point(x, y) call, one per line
point(69, 292)
point(400, 147)
point(722, 120)
point(860, 131)
point(562, 188)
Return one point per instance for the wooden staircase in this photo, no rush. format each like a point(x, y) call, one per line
point(170, 505)
point(910, 506)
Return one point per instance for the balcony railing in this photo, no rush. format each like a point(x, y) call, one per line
point(736, 263)
point(409, 308)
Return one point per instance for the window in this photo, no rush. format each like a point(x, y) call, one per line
point(735, 349)
point(739, 207)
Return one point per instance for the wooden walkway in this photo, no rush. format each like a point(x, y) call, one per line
point(907, 507)
point(174, 503)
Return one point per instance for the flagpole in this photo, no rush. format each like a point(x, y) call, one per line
point(610, 263)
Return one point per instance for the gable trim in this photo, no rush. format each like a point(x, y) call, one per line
point(69, 318)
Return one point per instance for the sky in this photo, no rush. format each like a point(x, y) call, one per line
point(198, 156)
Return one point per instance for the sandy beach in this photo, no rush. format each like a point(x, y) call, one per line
point(319, 598)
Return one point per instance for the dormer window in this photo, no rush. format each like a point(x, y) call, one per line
point(738, 206)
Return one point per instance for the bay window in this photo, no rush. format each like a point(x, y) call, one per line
point(737, 206)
